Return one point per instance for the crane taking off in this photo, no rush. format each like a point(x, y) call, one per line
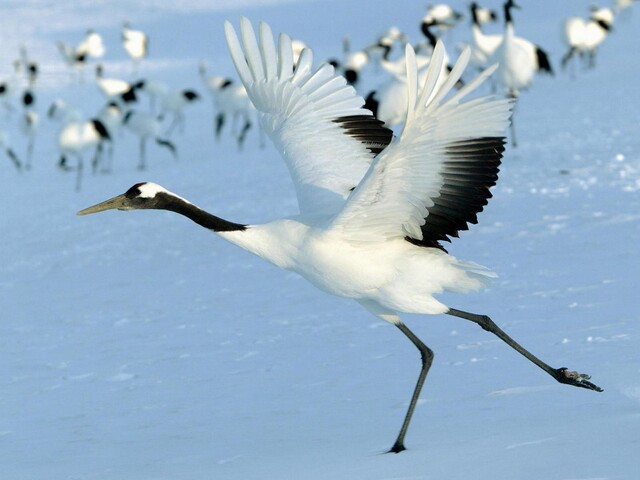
point(373, 210)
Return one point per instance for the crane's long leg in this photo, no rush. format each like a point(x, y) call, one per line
point(427, 357)
point(29, 152)
point(512, 123)
point(562, 375)
point(14, 158)
point(79, 172)
point(142, 165)
point(218, 124)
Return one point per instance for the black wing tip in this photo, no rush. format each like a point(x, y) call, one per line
point(470, 170)
point(367, 129)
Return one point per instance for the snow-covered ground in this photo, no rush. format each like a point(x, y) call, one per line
point(136, 346)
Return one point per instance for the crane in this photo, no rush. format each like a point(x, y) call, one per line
point(518, 59)
point(373, 209)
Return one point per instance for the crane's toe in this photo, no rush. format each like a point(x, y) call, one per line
point(564, 375)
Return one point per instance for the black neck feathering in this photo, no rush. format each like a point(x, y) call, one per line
point(199, 216)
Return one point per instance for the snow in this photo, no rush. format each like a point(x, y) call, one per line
point(137, 346)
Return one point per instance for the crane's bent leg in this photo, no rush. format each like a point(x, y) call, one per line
point(427, 357)
point(562, 375)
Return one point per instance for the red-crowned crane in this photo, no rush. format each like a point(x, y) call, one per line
point(373, 210)
point(519, 60)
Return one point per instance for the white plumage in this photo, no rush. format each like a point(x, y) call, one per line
point(230, 100)
point(92, 45)
point(518, 61)
point(372, 210)
point(584, 36)
point(135, 43)
point(114, 89)
point(483, 46)
point(146, 126)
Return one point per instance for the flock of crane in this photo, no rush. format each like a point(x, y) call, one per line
point(375, 207)
point(519, 60)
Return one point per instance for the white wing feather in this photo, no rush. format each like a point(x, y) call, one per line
point(393, 199)
point(298, 108)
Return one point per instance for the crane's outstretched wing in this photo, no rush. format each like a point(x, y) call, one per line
point(313, 117)
point(432, 181)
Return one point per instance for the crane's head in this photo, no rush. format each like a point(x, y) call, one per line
point(511, 4)
point(144, 195)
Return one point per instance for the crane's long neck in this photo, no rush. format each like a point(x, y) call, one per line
point(474, 15)
point(199, 216)
point(508, 20)
point(275, 242)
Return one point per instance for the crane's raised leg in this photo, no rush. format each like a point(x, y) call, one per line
point(562, 375)
point(427, 357)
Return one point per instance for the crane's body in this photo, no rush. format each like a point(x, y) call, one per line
point(483, 45)
point(403, 278)
point(373, 209)
point(584, 36)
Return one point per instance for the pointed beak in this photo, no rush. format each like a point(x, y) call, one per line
point(114, 203)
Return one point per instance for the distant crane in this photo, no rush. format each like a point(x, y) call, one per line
point(519, 60)
point(77, 136)
point(373, 210)
point(145, 125)
point(584, 36)
point(135, 43)
point(443, 16)
point(483, 46)
point(230, 99)
point(115, 89)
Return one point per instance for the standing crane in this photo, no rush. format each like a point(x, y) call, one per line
point(518, 59)
point(373, 210)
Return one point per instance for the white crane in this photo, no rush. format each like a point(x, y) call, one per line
point(76, 60)
point(519, 60)
point(110, 116)
point(173, 103)
point(77, 135)
point(75, 138)
point(92, 45)
point(373, 210)
point(153, 88)
point(584, 36)
point(115, 89)
point(485, 15)
point(230, 99)
point(483, 46)
point(135, 43)
point(443, 16)
point(145, 125)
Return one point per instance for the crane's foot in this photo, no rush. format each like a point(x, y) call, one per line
point(397, 448)
point(564, 375)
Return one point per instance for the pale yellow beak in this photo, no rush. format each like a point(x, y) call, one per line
point(119, 202)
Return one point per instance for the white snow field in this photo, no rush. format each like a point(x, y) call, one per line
point(138, 346)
